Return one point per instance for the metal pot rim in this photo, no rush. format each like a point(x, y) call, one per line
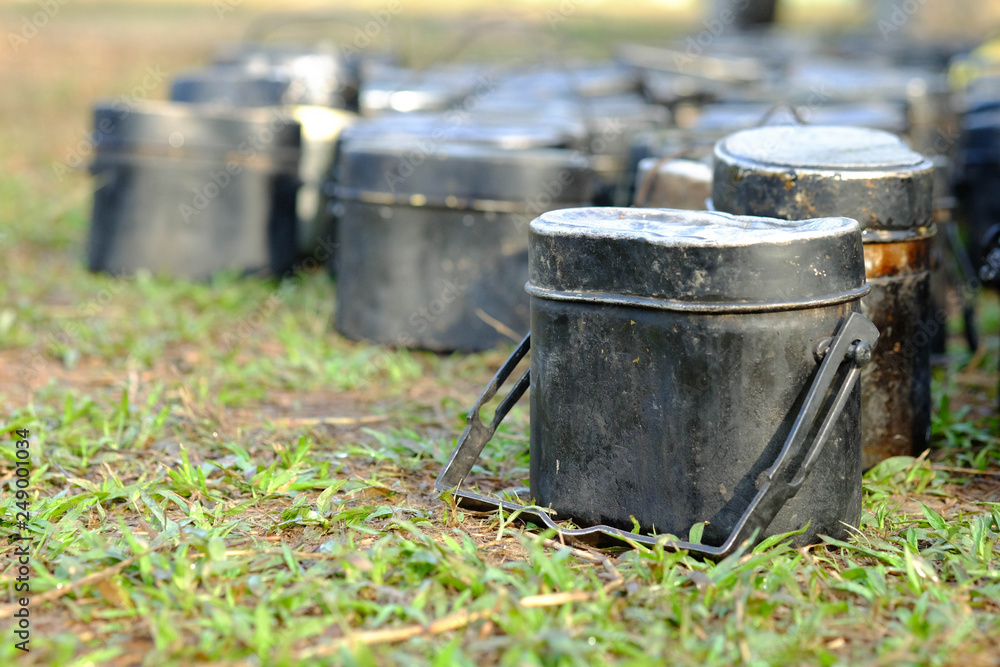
point(693, 229)
point(853, 151)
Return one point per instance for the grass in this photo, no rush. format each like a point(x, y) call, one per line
point(217, 477)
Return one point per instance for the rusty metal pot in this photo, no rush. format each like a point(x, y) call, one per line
point(675, 379)
point(792, 172)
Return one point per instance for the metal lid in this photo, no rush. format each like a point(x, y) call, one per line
point(670, 89)
point(613, 121)
point(844, 80)
point(379, 96)
point(422, 172)
point(805, 171)
point(461, 129)
point(679, 183)
point(815, 84)
point(600, 79)
point(688, 171)
point(562, 114)
point(602, 127)
point(318, 73)
point(694, 260)
point(390, 88)
point(680, 61)
point(233, 86)
point(163, 129)
point(571, 82)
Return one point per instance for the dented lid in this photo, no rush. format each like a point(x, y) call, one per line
point(694, 260)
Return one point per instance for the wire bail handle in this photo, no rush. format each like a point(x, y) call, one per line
point(851, 347)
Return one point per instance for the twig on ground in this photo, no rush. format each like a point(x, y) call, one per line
point(579, 553)
point(89, 580)
point(450, 622)
point(287, 422)
point(970, 471)
point(302, 555)
point(455, 621)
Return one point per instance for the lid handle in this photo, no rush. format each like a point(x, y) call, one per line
point(777, 107)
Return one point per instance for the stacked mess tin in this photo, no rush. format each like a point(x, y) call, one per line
point(681, 365)
point(314, 85)
point(189, 192)
point(225, 176)
point(792, 172)
point(432, 229)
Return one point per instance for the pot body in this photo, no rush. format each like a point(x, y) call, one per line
point(414, 137)
point(667, 374)
point(185, 192)
point(255, 83)
point(896, 386)
point(432, 246)
point(792, 172)
point(138, 222)
point(431, 278)
point(672, 417)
